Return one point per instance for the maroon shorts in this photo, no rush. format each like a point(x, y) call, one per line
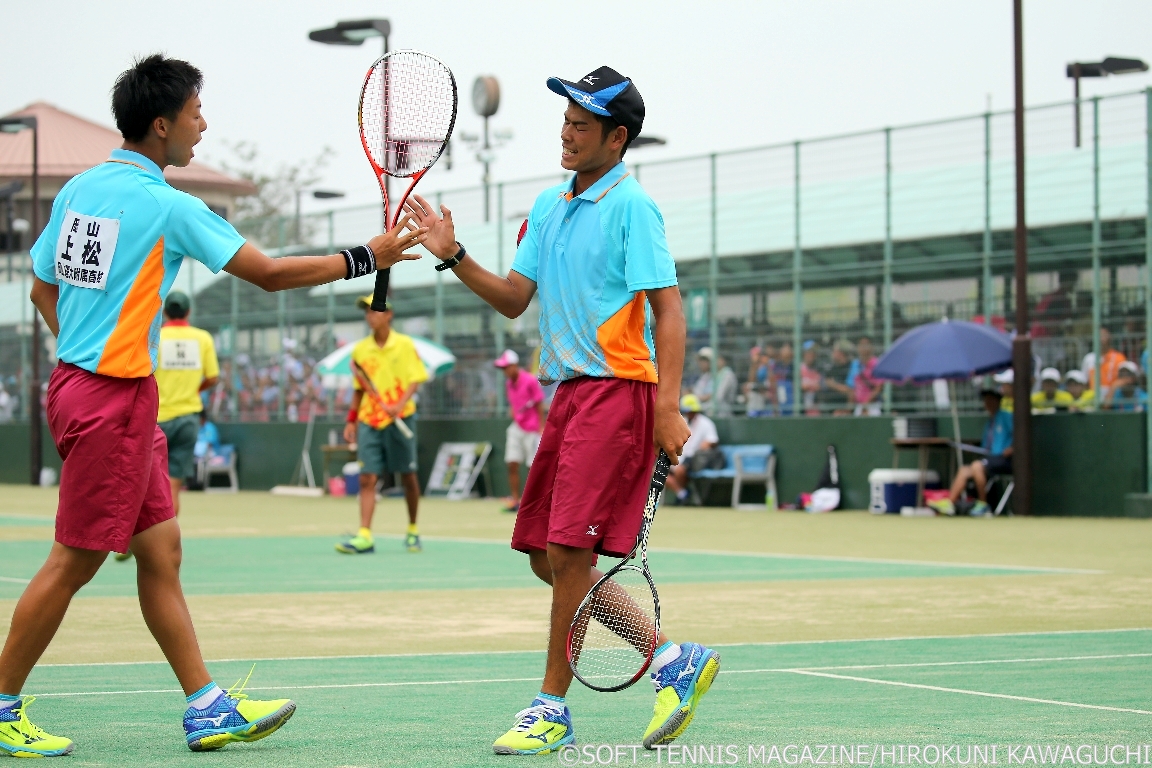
point(589, 480)
point(114, 483)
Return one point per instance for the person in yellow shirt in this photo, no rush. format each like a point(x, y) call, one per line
point(389, 360)
point(1050, 398)
point(1083, 398)
point(186, 367)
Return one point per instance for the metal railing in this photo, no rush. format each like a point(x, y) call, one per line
point(825, 240)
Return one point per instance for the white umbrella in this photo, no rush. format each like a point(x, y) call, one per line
point(335, 371)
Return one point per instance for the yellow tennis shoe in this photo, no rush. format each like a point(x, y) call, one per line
point(680, 685)
point(234, 717)
point(538, 730)
point(19, 737)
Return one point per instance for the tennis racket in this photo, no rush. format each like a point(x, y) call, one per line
point(366, 383)
point(613, 635)
point(406, 115)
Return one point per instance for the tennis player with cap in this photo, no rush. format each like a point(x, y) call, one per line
point(103, 266)
point(595, 250)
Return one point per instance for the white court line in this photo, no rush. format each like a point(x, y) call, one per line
point(920, 664)
point(14, 580)
point(770, 644)
point(789, 556)
point(969, 693)
point(776, 670)
point(306, 687)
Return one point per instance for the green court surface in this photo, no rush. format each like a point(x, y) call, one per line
point(444, 710)
point(255, 566)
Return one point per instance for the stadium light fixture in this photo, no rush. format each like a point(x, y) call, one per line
point(647, 141)
point(355, 33)
point(319, 194)
point(1113, 65)
point(35, 460)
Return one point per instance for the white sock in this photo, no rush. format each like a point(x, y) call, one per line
point(204, 697)
point(665, 655)
point(556, 702)
point(7, 702)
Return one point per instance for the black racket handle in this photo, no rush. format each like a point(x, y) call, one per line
point(380, 294)
point(660, 474)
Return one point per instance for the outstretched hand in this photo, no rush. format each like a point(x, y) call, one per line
point(389, 247)
point(441, 239)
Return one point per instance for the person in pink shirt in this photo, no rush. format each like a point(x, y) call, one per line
point(526, 403)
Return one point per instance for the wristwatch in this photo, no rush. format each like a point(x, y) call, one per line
point(454, 261)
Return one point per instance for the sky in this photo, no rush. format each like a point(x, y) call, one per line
point(714, 75)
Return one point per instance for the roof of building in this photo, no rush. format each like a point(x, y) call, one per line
point(69, 145)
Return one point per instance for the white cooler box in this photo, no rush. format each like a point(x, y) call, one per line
point(892, 489)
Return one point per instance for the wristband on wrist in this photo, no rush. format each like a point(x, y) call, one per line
point(353, 416)
point(454, 261)
point(360, 261)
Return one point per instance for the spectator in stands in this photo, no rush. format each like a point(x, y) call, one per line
point(866, 388)
point(208, 438)
point(6, 404)
point(1050, 398)
point(757, 390)
point(1076, 384)
point(522, 438)
point(835, 396)
point(704, 438)
point(1005, 379)
point(810, 378)
point(782, 378)
point(1054, 310)
point(727, 387)
point(718, 390)
point(1126, 393)
point(997, 441)
point(1109, 368)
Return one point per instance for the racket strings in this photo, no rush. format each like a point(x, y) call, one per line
point(407, 112)
point(614, 635)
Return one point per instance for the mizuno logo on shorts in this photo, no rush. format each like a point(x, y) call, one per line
point(592, 530)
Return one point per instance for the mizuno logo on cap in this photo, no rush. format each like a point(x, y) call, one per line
point(591, 79)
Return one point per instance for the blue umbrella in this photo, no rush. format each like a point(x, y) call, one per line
point(950, 349)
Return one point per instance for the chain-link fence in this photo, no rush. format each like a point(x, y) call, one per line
point(798, 264)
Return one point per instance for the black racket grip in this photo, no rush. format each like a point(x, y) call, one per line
point(380, 293)
point(660, 474)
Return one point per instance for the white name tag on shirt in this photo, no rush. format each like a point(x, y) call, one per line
point(85, 248)
point(180, 355)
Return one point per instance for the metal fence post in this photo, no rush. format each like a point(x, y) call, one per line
point(713, 293)
point(234, 319)
point(331, 310)
point(797, 286)
point(986, 271)
point(887, 299)
point(501, 397)
point(1096, 313)
point(1148, 269)
point(280, 308)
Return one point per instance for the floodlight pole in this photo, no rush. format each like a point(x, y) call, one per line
point(1022, 344)
point(35, 459)
point(1076, 97)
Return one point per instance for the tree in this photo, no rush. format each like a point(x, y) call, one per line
point(268, 216)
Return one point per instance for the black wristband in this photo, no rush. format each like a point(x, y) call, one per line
point(359, 260)
point(454, 261)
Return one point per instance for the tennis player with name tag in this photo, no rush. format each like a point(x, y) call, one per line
point(103, 266)
point(595, 250)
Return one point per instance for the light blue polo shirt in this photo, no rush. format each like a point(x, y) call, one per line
point(592, 257)
point(114, 244)
point(998, 433)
